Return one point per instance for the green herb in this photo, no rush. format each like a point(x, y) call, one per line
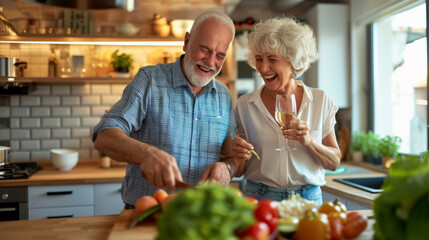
point(254, 153)
point(209, 212)
point(401, 211)
point(146, 214)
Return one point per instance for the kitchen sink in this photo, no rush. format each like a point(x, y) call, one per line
point(369, 184)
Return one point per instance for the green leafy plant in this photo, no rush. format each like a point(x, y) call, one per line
point(389, 146)
point(370, 144)
point(121, 62)
point(356, 143)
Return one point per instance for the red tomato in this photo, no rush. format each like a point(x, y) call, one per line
point(257, 231)
point(252, 200)
point(267, 212)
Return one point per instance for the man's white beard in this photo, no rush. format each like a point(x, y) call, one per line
point(193, 77)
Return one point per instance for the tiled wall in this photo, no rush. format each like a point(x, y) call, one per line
point(55, 116)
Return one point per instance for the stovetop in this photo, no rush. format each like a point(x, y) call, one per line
point(18, 170)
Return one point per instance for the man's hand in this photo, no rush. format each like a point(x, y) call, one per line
point(217, 172)
point(160, 168)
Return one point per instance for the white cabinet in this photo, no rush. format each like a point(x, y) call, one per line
point(107, 199)
point(351, 206)
point(331, 72)
point(60, 201)
point(74, 200)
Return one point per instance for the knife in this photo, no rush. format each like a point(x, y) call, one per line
point(182, 184)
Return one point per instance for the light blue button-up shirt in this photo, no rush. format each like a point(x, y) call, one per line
point(159, 108)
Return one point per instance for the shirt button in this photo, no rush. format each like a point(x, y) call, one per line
point(196, 119)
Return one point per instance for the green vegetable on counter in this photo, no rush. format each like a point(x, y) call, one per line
point(402, 209)
point(254, 153)
point(209, 212)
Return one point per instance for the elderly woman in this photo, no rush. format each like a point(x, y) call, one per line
point(282, 49)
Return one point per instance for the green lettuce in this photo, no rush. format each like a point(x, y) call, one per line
point(402, 210)
point(208, 212)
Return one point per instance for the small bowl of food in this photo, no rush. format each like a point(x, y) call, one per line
point(179, 27)
point(64, 159)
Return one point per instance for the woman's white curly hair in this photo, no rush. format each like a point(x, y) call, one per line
point(286, 37)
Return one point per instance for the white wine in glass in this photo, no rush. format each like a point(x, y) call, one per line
point(285, 112)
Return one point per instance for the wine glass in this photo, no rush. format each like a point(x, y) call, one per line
point(285, 112)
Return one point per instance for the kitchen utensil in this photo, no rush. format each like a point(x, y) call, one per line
point(128, 29)
point(181, 184)
point(6, 28)
point(20, 67)
point(4, 155)
point(7, 67)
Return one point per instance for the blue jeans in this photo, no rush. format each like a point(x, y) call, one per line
point(262, 191)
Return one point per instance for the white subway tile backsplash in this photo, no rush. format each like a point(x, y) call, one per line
point(110, 100)
point(20, 133)
point(70, 143)
point(41, 89)
point(90, 100)
point(72, 100)
point(14, 101)
point(86, 143)
point(20, 111)
point(81, 132)
point(71, 122)
point(40, 155)
point(15, 122)
point(19, 156)
point(50, 101)
point(90, 121)
point(40, 133)
point(100, 89)
point(118, 88)
point(61, 90)
point(4, 112)
point(14, 145)
point(40, 111)
point(61, 133)
point(51, 144)
point(30, 101)
point(61, 111)
point(30, 122)
point(30, 144)
point(51, 122)
point(4, 134)
point(81, 89)
point(81, 111)
point(99, 110)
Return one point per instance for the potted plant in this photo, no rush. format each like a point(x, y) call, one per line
point(389, 146)
point(370, 148)
point(121, 63)
point(356, 146)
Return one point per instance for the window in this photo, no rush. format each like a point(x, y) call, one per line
point(399, 78)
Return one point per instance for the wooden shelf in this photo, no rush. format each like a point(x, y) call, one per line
point(73, 80)
point(85, 38)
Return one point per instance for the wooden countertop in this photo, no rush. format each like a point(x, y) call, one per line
point(87, 171)
point(93, 228)
point(349, 193)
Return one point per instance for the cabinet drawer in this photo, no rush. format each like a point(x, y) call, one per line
point(60, 212)
point(107, 199)
point(60, 196)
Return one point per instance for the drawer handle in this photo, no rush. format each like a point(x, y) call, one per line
point(64, 216)
point(59, 193)
point(11, 209)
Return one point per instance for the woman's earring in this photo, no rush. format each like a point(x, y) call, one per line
point(293, 75)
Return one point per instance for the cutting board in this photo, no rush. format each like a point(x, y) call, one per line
point(143, 231)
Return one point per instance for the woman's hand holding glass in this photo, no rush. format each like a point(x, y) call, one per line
point(297, 130)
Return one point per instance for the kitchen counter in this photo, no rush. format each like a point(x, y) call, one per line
point(349, 193)
point(87, 171)
point(93, 228)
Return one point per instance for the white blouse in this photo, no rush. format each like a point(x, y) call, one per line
point(284, 169)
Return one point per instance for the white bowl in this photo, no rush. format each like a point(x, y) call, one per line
point(64, 159)
point(179, 27)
